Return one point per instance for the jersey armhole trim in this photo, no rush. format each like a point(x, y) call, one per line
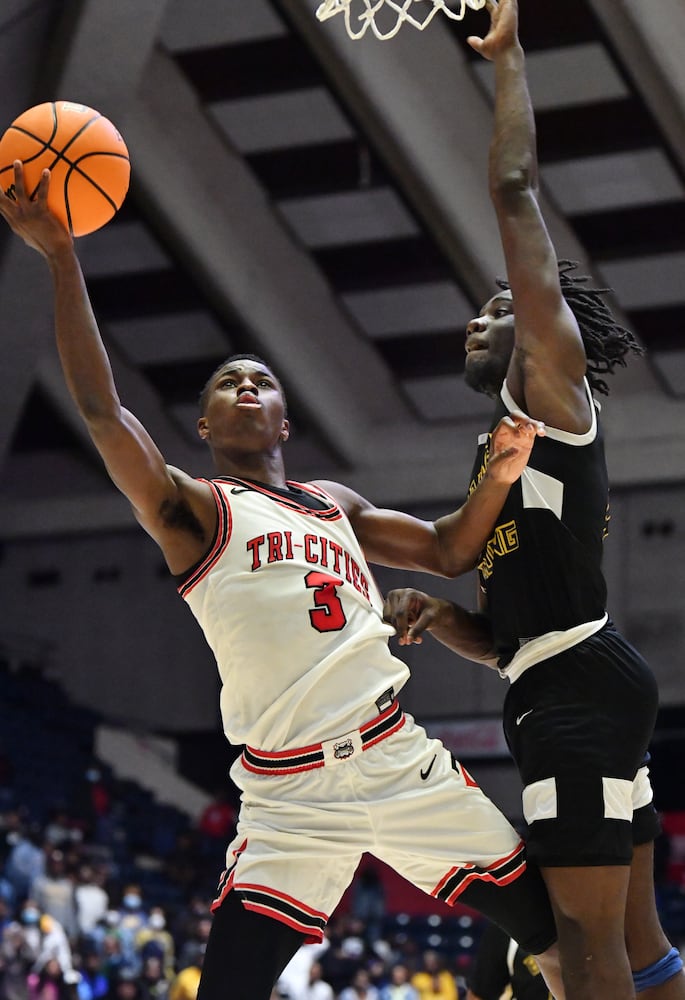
point(565, 437)
point(219, 543)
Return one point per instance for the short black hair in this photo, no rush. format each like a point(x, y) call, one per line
point(606, 342)
point(242, 356)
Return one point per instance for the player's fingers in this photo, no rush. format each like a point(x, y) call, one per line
point(424, 621)
point(43, 187)
point(396, 611)
point(19, 187)
point(522, 421)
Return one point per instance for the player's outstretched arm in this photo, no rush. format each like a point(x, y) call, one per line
point(452, 544)
point(548, 364)
point(133, 461)
point(412, 612)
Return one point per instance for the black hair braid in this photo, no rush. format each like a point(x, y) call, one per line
point(606, 342)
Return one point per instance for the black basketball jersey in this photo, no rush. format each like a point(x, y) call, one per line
point(541, 569)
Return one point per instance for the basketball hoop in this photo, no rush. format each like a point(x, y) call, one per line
point(360, 15)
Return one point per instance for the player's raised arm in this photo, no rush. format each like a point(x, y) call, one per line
point(452, 544)
point(548, 364)
point(133, 461)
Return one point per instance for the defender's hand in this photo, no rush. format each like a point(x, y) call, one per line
point(30, 218)
point(411, 612)
point(511, 445)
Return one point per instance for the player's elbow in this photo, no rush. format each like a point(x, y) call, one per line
point(456, 565)
point(511, 186)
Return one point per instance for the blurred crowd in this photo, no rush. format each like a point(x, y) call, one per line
point(74, 925)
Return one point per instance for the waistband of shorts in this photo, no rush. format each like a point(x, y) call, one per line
point(543, 647)
point(329, 752)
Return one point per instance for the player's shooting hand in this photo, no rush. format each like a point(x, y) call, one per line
point(411, 612)
point(503, 33)
point(511, 444)
point(30, 218)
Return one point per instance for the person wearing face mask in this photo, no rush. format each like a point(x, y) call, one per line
point(155, 940)
point(45, 937)
point(133, 918)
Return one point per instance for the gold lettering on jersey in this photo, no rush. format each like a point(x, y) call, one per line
point(504, 541)
point(280, 546)
point(607, 518)
point(483, 466)
point(531, 965)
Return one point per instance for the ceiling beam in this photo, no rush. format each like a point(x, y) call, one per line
point(204, 199)
point(649, 38)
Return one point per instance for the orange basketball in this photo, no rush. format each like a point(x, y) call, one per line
point(88, 160)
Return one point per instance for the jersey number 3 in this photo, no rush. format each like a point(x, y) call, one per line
point(328, 615)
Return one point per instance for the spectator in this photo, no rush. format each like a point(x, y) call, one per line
point(433, 981)
point(26, 860)
point(93, 984)
point(125, 987)
point(185, 985)
point(360, 988)
point(294, 979)
point(399, 987)
point(343, 958)
point(45, 936)
point(317, 988)
point(196, 935)
point(156, 942)
point(113, 963)
point(217, 822)
point(17, 957)
point(91, 899)
point(53, 892)
point(51, 982)
point(60, 830)
point(133, 918)
point(153, 982)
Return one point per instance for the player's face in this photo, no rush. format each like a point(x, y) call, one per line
point(245, 407)
point(489, 345)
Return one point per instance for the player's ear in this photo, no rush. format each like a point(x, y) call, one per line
point(285, 430)
point(203, 428)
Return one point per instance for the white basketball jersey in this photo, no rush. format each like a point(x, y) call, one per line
point(290, 609)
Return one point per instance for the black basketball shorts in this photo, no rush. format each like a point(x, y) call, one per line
point(578, 726)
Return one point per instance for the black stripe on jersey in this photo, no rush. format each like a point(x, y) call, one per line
point(221, 539)
point(286, 498)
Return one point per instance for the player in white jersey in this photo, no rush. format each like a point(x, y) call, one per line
point(277, 575)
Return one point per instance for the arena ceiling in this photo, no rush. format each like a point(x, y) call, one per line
point(324, 204)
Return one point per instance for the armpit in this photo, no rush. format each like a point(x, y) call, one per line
point(178, 516)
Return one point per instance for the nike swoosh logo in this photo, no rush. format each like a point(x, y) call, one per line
point(240, 489)
point(520, 718)
point(424, 774)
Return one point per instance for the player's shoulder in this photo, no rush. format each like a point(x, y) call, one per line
point(347, 499)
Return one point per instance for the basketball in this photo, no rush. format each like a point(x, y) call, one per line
point(87, 157)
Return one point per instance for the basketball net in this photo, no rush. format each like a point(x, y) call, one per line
point(358, 20)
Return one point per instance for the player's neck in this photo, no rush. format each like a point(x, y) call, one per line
point(268, 469)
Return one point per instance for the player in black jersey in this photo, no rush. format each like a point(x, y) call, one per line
point(581, 706)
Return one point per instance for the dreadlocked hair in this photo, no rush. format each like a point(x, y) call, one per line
point(606, 342)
